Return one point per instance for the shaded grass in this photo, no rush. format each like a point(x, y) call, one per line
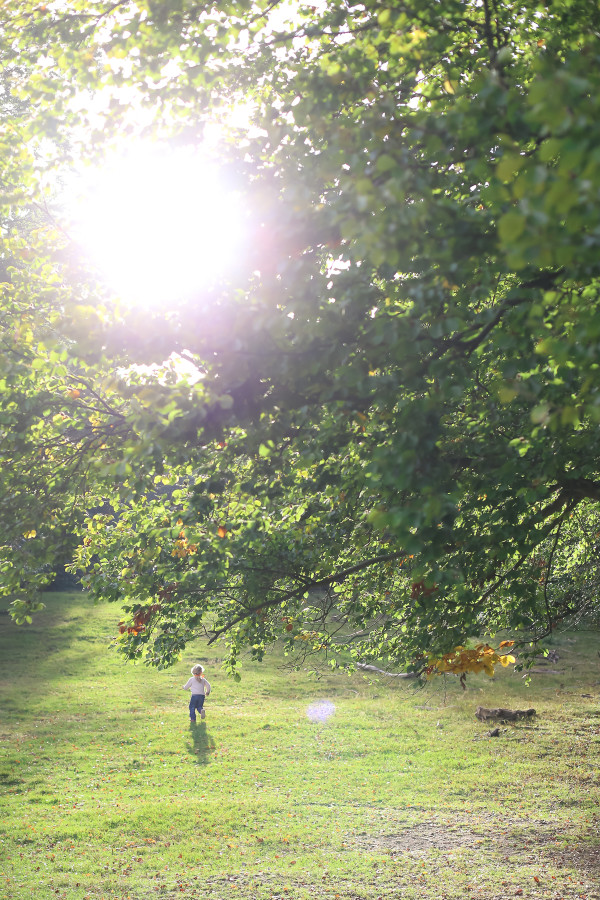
point(108, 792)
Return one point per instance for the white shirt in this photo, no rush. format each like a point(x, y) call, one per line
point(197, 685)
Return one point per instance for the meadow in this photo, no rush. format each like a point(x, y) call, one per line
point(108, 793)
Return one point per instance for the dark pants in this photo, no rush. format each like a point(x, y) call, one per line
point(196, 703)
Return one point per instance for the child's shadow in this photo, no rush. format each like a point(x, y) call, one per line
point(202, 744)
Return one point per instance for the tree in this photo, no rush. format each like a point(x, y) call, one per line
point(392, 444)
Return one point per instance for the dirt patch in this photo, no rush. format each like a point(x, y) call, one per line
point(556, 847)
point(419, 839)
point(548, 841)
point(582, 858)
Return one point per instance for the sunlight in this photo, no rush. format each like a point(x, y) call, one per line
point(158, 223)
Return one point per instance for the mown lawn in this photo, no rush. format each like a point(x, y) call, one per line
point(108, 792)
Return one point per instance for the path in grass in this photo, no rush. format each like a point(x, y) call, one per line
point(108, 792)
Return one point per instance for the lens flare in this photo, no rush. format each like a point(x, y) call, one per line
point(320, 711)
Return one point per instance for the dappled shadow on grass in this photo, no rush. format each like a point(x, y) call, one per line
point(68, 649)
point(59, 641)
point(201, 745)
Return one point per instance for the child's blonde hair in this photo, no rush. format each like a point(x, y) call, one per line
point(197, 669)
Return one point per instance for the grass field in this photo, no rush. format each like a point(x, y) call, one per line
point(109, 793)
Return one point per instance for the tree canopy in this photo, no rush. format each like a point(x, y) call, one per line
point(386, 438)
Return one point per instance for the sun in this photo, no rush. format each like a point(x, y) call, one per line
point(158, 223)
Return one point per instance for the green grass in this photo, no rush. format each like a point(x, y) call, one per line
point(108, 792)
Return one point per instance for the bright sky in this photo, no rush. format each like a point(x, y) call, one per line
point(158, 223)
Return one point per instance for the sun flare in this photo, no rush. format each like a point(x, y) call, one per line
point(158, 223)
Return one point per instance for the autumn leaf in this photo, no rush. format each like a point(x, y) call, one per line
point(462, 661)
point(222, 531)
point(506, 660)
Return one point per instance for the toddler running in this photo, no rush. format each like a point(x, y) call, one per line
point(200, 689)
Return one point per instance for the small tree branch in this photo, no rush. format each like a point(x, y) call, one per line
point(549, 568)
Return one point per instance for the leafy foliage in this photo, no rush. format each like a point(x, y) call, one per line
point(461, 661)
point(391, 442)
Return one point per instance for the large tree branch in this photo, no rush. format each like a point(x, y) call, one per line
point(297, 593)
point(580, 488)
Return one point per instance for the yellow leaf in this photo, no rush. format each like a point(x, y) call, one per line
point(448, 286)
point(448, 86)
point(30, 534)
point(505, 660)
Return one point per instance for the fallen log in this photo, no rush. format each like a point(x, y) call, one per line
point(503, 715)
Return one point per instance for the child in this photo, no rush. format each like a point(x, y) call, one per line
point(200, 689)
